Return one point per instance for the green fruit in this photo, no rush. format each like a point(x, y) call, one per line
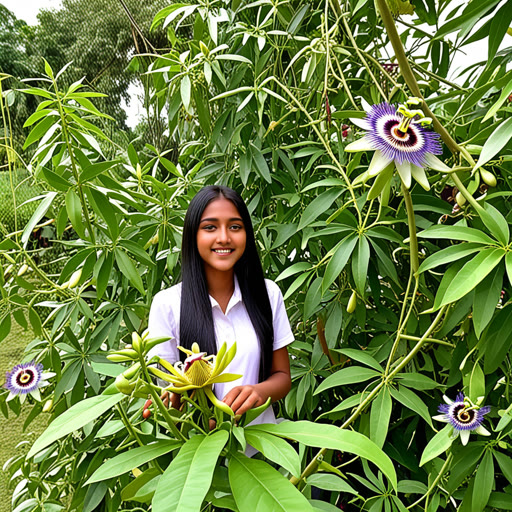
point(352, 303)
point(488, 178)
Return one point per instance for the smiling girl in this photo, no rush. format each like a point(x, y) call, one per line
point(224, 297)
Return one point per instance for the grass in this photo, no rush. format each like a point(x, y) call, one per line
point(11, 430)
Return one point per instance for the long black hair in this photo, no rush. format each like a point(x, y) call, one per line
point(196, 320)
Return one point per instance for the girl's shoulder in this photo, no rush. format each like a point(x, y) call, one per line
point(168, 296)
point(273, 290)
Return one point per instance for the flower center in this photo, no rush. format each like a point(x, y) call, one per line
point(25, 377)
point(463, 415)
point(199, 371)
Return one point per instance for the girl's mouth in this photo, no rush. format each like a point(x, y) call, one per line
point(222, 251)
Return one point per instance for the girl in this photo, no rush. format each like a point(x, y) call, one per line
point(223, 297)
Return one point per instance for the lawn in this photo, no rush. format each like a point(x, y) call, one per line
point(11, 430)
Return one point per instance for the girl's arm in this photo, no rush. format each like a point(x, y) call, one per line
point(277, 386)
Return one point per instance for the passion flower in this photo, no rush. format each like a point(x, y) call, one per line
point(464, 416)
point(399, 136)
point(25, 379)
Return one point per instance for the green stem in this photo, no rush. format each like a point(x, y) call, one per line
point(127, 423)
point(158, 401)
point(413, 240)
point(434, 483)
point(74, 169)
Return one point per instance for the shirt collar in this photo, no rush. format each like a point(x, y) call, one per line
point(233, 301)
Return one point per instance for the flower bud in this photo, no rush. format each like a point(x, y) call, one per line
point(460, 199)
point(488, 178)
point(47, 407)
point(23, 269)
point(137, 342)
point(75, 278)
point(352, 303)
point(132, 371)
point(138, 172)
point(204, 48)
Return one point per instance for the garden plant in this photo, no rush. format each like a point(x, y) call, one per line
point(379, 182)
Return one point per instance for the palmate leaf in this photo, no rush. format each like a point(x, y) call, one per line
point(188, 477)
point(320, 435)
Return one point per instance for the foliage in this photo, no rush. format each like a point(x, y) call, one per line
point(396, 296)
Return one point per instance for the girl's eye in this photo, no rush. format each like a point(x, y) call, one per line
point(209, 227)
point(236, 227)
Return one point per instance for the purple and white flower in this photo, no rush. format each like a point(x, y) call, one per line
point(398, 136)
point(464, 416)
point(25, 379)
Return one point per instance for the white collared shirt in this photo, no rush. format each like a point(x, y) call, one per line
point(234, 325)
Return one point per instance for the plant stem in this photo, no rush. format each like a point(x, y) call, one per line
point(128, 425)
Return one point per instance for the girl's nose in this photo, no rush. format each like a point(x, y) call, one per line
point(223, 235)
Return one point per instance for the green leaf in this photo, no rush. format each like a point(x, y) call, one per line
point(472, 273)
point(37, 215)
point(330, 482)
point(188, 477)
point(186, 91)
point(449, 254)
point(505, 464)
point(260, 163)
point(276, 449)
point(500, 23)
point(345, 376)
point(484, 481)
point(301, 266)
point(505, 93)
point(127, 267)
point(319, 435)
point(360, 262)
point(379, 417)
point(142, 489)
point(495, 143)
point(74, 210)
point(338, 261)
point(476, 383)
point(313, 297)
point(487, 295)
point(462, 233)
point(500, 500)
point(417, 381)
point(497, 340)
point(437, 445)
point(495, 223)
point(75, 418)
point(258, 486)
point(131, 459)
point(362, 357)
point(102, 207)
point(412, 401)
point(318, 206)
point(40, 130)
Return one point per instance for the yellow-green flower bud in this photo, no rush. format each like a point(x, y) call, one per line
point(488, 178)
point(460, 199)
point(352, 303)
point(47, 407)
point(23, 270)
point(75, 278)
point(137, 342)
point(132, 371)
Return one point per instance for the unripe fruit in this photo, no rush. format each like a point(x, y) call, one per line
point(488, 178)
point(352, 303)
point(124, 385)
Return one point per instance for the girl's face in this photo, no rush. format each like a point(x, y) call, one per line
point(221, 236)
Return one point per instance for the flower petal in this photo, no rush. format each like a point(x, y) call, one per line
point(434, 163)
point(36, 394)
point(464, 436)
point(441, 417)
point(482, 431)
point(10, 397)
point(379, 163)
point(418, 173)
point(362, 144)
point(362, 123)
point(447, 400)
point(366, 106)
point(404, 169)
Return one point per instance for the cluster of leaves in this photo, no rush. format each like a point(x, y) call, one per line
point(259, 98)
